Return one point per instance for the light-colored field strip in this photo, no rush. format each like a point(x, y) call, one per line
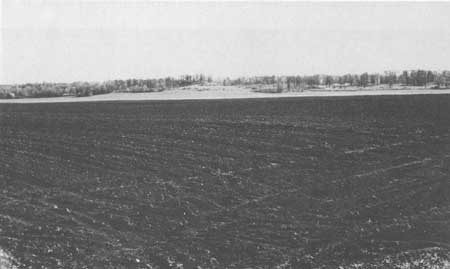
point(221, 92)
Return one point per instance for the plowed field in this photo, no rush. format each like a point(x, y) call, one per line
point(357, 182)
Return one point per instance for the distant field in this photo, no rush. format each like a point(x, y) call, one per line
point(357, 182)
point(213, 92)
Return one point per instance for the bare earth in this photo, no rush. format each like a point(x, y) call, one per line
point(220, 92)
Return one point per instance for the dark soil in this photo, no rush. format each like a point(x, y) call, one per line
point(357, 182)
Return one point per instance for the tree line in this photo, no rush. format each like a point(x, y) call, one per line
point(420, 78)
point(88, 88)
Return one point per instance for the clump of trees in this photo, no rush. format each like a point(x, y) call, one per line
point(86, 89)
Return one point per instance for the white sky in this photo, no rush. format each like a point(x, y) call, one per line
point(66, 41)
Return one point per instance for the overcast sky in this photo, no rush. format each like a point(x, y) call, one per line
point(65, 41)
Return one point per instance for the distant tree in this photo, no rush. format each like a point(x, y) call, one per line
point(374, 79)
point(364, 80)
point(329, 81)
point(348, 79)
point(404, 78)
point(290, 81)
point(279, 84)
point(430, 77)
point(421, 79)
point(439, 80)
point(356, 80)
point(446, 78)
point(390, 78)
point(413, 78)
point(312, 81)
point(298, 82)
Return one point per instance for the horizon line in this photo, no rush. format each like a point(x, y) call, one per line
point(221, 77)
